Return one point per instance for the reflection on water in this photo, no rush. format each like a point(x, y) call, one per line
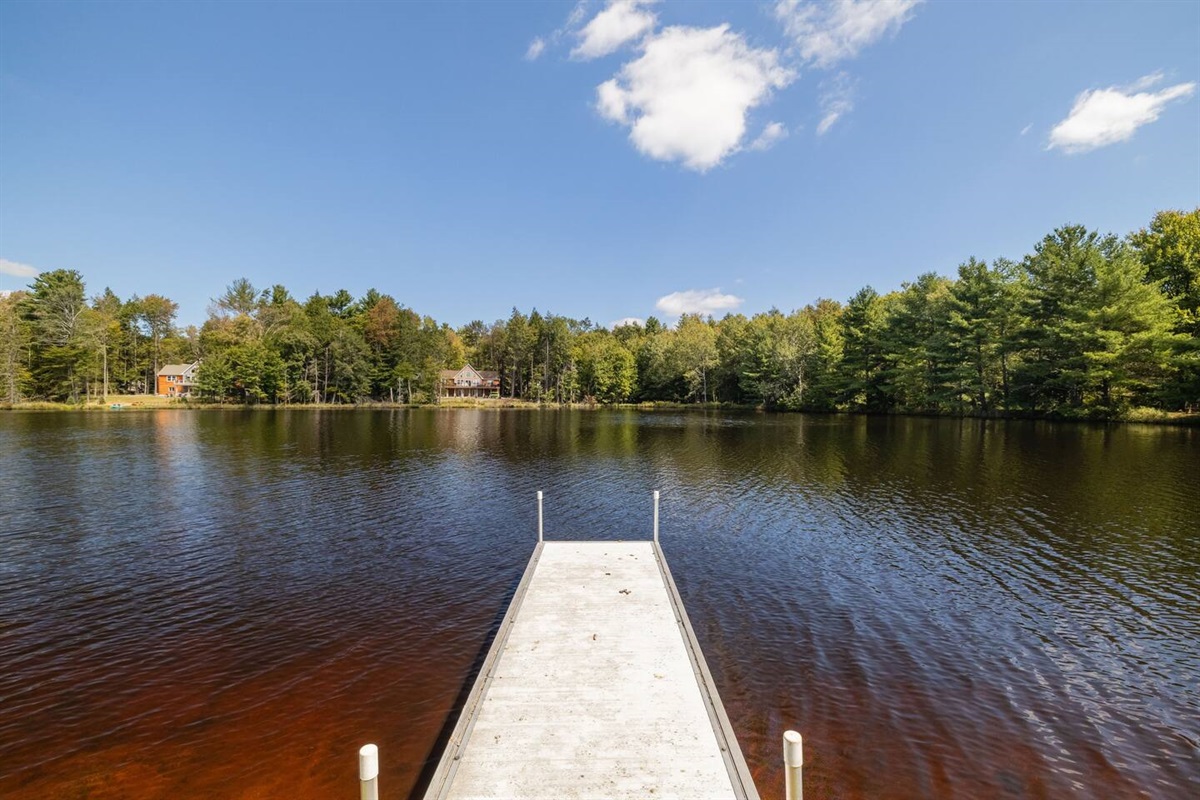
point(944, 608)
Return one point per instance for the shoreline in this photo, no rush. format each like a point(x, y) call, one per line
point(137, 403)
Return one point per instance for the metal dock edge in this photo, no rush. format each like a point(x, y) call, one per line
point(735, 762)
point(439, 785)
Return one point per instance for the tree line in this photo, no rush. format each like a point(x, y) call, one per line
point(1085, 325)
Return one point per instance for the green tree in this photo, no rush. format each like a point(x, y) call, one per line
point(973, 307)
point(158, 313)
point(381, 328)
point(1170, 249)
point(214, 378)
point(775, 355)
point(607, 370)
point(1099, 334)
point(1130, 342)
point(473, 335)
point(340, 365)
point(1053, 376)
point(440, 348)
point(659, 378)
point(239, 299)
point(692, 354)
point(915, 345)
point(824, 363)
point(55, 306)
point(863, 322)
point(256, 372)
point(647, 343)
point(109, 337)
point(16, 342)
point(519, 341)
point(248, 372)
point(735, 378)
point(554, 350)
point(287, 332)
point(133, 366)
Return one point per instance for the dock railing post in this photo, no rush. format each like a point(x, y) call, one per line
point(793, 764)
point(656, 516)
point(368, 772)
point(539, 515)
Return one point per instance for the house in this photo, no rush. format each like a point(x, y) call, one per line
point(468, 382)
point(176, 380)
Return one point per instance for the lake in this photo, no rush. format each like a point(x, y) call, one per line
point(222, 604)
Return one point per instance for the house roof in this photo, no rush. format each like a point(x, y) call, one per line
point(176, 369)
point(487, 376)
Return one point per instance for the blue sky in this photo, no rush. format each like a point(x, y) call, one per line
point(601, 160)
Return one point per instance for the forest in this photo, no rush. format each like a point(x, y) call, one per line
point(1086, 325)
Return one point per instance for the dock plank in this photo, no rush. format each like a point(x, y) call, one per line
point(594, 689)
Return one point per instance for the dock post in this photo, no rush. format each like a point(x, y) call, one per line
point(539, 515)
point(793, 763)
point(656, 515)
point(368, 772)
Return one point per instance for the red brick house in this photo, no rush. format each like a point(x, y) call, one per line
point(468, 382)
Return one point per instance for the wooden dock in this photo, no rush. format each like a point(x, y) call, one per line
point(594, 687)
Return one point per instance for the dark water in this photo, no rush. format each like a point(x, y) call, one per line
point(226, 605)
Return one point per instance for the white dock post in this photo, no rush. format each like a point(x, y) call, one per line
point(539, 515)
point(656, 515)
point(368, 772)
point(793, 763)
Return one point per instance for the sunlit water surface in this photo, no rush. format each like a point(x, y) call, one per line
point(226, 605)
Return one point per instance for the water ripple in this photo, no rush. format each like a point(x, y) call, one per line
point(944, 608)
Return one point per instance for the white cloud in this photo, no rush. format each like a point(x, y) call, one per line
point(1026, 129)
point(832, 32)
point(686, 97)
point(620, 22)
point(771, 135)
point(697, 301)
point(612, 101)
point(837, 100)
point(535, 48)
point(540, 43)
point(1146, 82)
point(616, 323)
point(17, 270)
point(1106, 116)
point(577, 14)
point(828, 119)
